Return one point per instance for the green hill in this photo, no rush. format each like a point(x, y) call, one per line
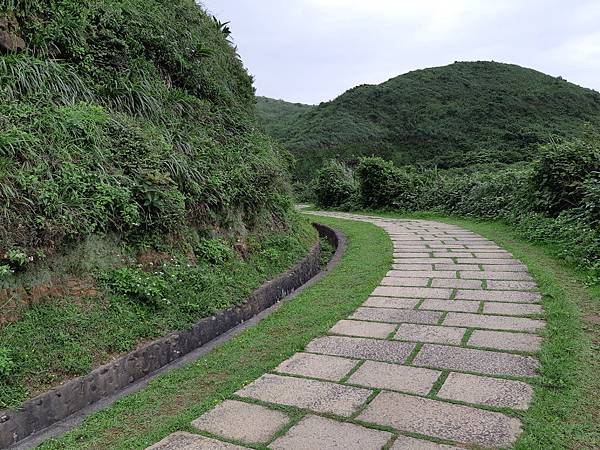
point(453, 116)
point(276, 116)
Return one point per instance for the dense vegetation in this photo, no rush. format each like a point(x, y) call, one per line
point(455, 116)
point(133, 116)
point(554, 199)
point(137, 192)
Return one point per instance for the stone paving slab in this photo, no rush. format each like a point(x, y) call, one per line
point(391, 302)
point(450, 305)
point(411, 292)
point(430, 333)
point(498, 296)
point(488, 261)
point(442, 420)
point(513, 285)
point(464, 254)
point(398, 260)
point(456, 283)
point(512, 309)
point(455, 267)
point(382, 375)
point(363, 329)
point(188, 441)
point(331, 368)
point(486, 391)
point(313, 433)
point(318, 396)
point(485, 275)
point(412, 267)
point(504, 267)
point(244, 422)
point(447, 246)
point(412, 282)
point(473, 360)
point(361, 348)
point(503, 340)
point(493, 322)
point(423, 254)
point(408, 443)
point(394, 315)
point(422, 273)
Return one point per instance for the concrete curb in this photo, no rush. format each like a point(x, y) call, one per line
point(42, 417)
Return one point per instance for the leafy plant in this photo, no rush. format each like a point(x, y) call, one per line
point(334, 185)
point(5, 271)
point(565, 174)
point(7, 365)
point(134, 283)
point(213, 251)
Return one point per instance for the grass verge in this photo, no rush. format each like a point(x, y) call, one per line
point(565, 413)
point(171, 402)
point(68, 336)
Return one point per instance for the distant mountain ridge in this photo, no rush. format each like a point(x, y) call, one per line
point(452, 116)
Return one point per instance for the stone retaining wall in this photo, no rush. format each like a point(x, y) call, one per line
point(72, 396)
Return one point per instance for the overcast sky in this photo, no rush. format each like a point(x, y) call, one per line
point(311, 51)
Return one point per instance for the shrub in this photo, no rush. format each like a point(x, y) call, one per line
point(381, 184)
point(334, 185)
point(562, 174)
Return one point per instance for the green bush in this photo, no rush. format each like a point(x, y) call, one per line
point(334, 185)
point(565, 174)
point(382, 184)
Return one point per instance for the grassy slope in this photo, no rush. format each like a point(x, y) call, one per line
point(128, 116)
point(457, 115)
point(66, 337)
point(564, 414)
point(277, 115)
point(171, 402)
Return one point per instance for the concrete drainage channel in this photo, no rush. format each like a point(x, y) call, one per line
point(63, 408)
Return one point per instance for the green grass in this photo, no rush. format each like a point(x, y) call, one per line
point(172, 401)
point(566, 408)
point(66, 337)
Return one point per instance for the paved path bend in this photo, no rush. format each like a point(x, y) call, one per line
point(439, 357)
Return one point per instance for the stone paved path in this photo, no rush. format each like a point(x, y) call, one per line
point(439, 357)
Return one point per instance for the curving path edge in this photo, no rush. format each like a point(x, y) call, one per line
point(440, 356)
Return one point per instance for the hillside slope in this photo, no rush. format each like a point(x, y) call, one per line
point(127, 116)
point(276, 116)
point(452, 116)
